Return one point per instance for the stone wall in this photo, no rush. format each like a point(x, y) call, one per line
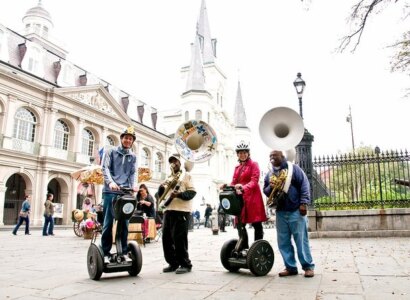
point(360, 223)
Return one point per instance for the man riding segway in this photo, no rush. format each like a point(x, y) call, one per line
point(119, 168)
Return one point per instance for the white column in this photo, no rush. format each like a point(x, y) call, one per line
point(40, 198)
point(78, 138)
point(47, 130)
point(2, 199)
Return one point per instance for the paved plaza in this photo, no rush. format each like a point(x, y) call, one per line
point(37, 267)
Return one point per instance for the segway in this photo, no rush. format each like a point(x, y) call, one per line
point(236, 253)
point(123, 206)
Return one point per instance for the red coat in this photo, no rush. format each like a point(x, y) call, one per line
point(254, 208)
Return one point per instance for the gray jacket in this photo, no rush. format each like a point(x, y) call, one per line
point(118, 165)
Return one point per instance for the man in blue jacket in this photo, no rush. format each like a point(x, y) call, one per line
point(291, 210)
point(118, 166)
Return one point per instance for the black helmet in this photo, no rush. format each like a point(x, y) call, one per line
point(242, 146)
point(129, 131)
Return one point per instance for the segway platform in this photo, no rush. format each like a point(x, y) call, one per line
point(235, 253)
point(124, 206)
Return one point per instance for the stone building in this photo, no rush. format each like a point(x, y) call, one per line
point(55, 116)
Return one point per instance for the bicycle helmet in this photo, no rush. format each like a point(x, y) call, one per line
point(130, 131)
point(242, 146)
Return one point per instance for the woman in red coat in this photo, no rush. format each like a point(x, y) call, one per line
point(246, 182)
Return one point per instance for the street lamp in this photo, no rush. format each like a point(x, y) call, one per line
point(299, 84)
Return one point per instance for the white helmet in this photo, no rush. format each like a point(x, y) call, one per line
point(242, 146)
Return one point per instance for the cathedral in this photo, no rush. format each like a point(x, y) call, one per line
point(55, 116)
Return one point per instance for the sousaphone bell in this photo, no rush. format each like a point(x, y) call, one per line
point(281, 128)
point(195, 141)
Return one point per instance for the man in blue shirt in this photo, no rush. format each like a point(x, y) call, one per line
point(118, 166)
point(291, 210)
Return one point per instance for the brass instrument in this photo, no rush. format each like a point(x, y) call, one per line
point(282, 129)
point(278, 184)
point(144, 174)
point(170, 184)
point(196, 142)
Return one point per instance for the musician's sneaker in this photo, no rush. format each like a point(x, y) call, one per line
point(183, 270)
point(169, 269)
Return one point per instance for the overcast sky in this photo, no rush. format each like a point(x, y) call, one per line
point(140, 46)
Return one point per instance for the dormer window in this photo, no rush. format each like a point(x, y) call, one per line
point(34, 61)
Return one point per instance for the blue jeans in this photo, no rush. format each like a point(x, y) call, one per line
point(48, 224)
point(288, 224)
point(21, 220)
point(106, 238)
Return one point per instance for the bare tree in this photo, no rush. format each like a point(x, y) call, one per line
point(361, 12)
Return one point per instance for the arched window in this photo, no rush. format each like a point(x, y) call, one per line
point(145, 158)
point(109, 141)
point(159, 162)
point(186, 116)
point(24, 125)
point(87, 147)
point(61, 132)
point(198, 115)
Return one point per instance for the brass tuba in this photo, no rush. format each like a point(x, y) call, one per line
point(195, 142)
point(281, 128)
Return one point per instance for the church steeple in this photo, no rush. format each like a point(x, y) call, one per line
point(208, 45)
point(196, 78)
point(239, 114)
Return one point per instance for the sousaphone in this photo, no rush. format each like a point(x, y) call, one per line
point(281, 128)
point(195, 141)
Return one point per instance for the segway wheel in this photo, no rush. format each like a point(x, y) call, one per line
point(260, 258)
point(136, 257)
point(95, 263)
point(77, 230)
point(227, 253)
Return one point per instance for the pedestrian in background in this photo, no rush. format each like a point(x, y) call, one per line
point(208, 212)
point(222, 218)
point(48, 215)
point(24, 216)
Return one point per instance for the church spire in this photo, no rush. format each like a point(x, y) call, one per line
point(239, 114)
point(196, 78)
point(208, 45)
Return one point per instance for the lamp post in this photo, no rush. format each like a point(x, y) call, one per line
point(299, 84)
point(349, 119)
point(377, 151)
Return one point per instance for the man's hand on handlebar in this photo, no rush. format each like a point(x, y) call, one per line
point(223, 186)
point(113, 186)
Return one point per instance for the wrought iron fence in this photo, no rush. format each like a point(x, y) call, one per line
point(362, 180)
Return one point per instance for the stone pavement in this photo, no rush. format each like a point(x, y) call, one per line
point(37, 267)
